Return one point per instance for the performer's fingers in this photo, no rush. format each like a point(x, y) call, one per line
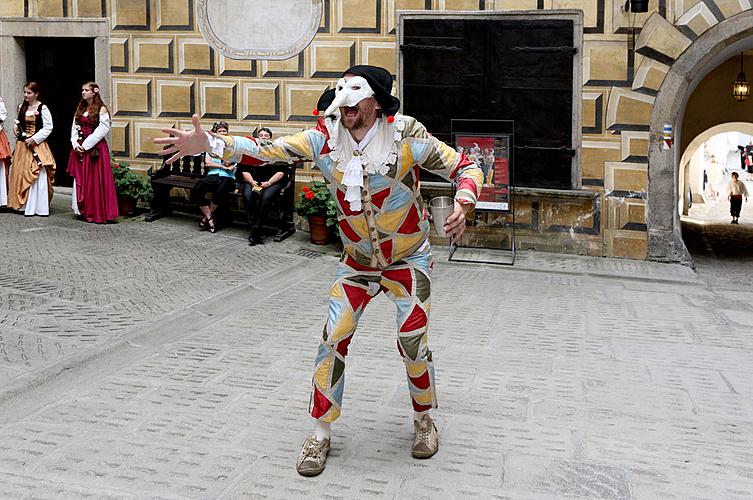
point(169, 151)
point(172, 139)
point(196, 122)
point(174, 158)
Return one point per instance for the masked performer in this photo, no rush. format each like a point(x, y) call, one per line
point(370, 158)
point(94, 197)
point(33, 172)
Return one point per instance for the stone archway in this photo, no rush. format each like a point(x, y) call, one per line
point(688, 57)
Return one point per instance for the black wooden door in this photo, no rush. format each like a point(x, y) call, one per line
point(497, 70)
point(60, 66)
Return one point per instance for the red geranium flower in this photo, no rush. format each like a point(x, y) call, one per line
point(306, 189)
point(309, 195)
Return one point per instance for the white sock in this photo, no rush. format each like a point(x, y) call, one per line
point(322, 430)
point(418, 415)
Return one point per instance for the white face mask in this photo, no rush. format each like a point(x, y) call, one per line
point(350, 93)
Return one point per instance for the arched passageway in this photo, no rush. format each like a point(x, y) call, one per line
point(715, 46)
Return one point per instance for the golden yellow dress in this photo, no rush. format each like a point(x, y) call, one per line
point(25, 168)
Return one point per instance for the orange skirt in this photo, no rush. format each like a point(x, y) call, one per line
point(4, 146)
point(25, 171)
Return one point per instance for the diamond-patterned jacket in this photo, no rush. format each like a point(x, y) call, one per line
point(392, 223)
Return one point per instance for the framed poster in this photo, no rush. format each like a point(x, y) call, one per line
point(489, 144)
point(492, 154)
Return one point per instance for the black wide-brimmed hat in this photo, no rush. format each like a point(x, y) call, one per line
point(380, 82)
point(324, 101)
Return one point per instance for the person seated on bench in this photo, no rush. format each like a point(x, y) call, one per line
point(261, 184)
point(220, 181)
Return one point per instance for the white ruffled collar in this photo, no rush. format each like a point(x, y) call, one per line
point(377, 156)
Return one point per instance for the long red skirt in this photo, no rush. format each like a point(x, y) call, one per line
point(95, 185)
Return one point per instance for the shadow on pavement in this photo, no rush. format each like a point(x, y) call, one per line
point(718, 239)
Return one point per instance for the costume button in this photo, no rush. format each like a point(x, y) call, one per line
point(368, 212)
point(373, 229)
point(376, 251)
point(373, 239)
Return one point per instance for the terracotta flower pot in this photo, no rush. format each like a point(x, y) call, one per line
point(127, 205)
point(321, 234)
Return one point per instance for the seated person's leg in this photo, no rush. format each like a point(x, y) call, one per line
point(268, 196)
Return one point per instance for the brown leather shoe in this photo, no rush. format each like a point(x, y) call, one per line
point(426, 442)
point(313, 456)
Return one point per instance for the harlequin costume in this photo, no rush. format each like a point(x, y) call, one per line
point(33, 171)
point(5, 156)
point(383, 226)
point(94, 197)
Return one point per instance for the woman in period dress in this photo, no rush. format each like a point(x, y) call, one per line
point(33, 173)
point(93, 198)
point(5, 155)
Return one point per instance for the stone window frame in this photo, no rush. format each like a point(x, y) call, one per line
point(576, 16)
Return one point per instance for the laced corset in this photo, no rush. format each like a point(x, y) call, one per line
point(87, 126)
point(31, 124)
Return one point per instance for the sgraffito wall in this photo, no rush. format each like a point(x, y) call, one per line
point(163, 71)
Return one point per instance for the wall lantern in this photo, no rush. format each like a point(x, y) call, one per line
point(636, 6)
point(741, 87)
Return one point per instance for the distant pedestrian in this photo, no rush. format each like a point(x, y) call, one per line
point(33, 173)
point(5, 155)
point(93, 197)
point(735, 191)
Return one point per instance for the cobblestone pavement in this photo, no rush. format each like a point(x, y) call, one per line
point(156, 361)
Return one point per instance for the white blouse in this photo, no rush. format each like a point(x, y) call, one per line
point(97, 134)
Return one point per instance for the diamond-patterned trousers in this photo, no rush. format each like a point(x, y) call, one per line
point(408, 284)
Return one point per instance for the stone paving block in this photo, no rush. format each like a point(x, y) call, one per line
point(686, 487)
point(566, 477)
point(722, 405)
point(682, 355)
point(189, 399)
point(741, 382)
point(689, 379)
point(23, 446)
point(738, 316)
point(146, 468)
point(669, 330)
point(119, 389)
point(605, 371)
point(20, 302)
point(222, 429)
point(33, 488)
point(26, 351)
point(26, 285)
point(91, 415)
point(662, 401)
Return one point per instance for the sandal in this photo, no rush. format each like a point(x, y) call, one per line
point(203, 223)
point(210, 225)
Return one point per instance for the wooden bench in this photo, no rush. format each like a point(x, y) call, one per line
point(187, 172)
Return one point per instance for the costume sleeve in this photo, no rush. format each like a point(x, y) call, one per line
point(100, 132)
point(432, 154)
point(44, 133)
point(3, 111)
point(74, 134)
point(296, 147)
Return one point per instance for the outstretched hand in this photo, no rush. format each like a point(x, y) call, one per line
point(184, 142)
